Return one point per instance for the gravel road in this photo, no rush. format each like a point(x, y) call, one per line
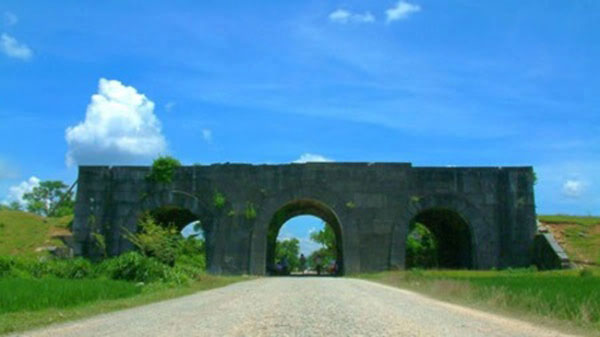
point(298, 306)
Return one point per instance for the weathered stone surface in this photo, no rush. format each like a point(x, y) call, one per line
point(370, 206)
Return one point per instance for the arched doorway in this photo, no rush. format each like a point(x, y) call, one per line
point(297, 208)
point(439, 238)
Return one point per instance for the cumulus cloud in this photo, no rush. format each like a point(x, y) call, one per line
point(573, 188)
point(120, 127)
point(13, 48)
point(10, 19)
point(311, 158)
point(207, 135)
point(344, 16)
point(401, 11)
point(15, 193)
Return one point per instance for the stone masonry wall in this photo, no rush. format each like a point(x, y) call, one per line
point(373, 203)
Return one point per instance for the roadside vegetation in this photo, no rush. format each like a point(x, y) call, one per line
point(568, 299)
point(38, 288)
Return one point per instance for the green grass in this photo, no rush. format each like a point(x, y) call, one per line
point(21, 233)
point(560, 298)
point(579, 220)
point(578, 235)
point(154, 292)
point(18, 294)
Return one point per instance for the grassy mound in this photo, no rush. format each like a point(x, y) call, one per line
point(26, 234)
point(578, 235)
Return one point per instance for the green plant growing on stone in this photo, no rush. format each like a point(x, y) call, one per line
point(350, 204)
point(231, 213)
point(250, 212)
point(219, 200)
point(163, 169)
point(415, 199)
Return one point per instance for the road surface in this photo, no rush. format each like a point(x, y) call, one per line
point(298, 306)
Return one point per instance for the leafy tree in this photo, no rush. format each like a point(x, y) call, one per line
point(290, 249)
point(421, 248)
point(326, 237)
point(43, 200)
point(15, 206)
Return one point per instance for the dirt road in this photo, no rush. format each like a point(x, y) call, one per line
point(294, 306)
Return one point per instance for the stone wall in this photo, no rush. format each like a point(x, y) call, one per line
point(370, 204)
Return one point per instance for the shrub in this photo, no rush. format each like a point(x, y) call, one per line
point(250, 211)
point(163, 169)
point(135, 267)
point(219, 200)
point(154, 240)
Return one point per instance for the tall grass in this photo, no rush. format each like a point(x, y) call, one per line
point(17, 294)
point(563, 295)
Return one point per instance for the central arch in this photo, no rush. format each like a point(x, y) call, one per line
point(303, 207)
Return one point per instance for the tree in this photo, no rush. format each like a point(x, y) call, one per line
point(43, 200)
point(421, 248)
point(326, 237)
point(290, 249)
point(15, 206)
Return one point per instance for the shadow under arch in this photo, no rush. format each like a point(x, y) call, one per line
point(452, 234)
point(478, 224)
point(303, 207)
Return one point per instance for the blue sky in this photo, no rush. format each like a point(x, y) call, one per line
point(428, 82)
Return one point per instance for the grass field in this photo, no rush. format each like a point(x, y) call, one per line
point(21, 233)
point(52, 313)
point(571, 297)
point(18, 294)
point(578, 235)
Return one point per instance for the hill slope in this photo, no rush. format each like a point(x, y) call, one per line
point(578, 235)
point(22, 233)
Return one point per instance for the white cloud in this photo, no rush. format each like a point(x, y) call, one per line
point(401, 11)
point(573, 188)
point(15, 193)
point(344, 16)
point(207, 135)
point(311, 157)
point(10, 19)
point(119, 128)
point(12, 48)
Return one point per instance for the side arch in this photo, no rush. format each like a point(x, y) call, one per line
point(166, 198)
point(482, 238)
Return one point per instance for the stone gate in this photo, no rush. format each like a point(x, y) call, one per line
point(484, 215)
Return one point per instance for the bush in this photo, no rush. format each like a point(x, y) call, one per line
point(219, 200)
point(156, 241)
point(134, 267)
point(163, 169)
